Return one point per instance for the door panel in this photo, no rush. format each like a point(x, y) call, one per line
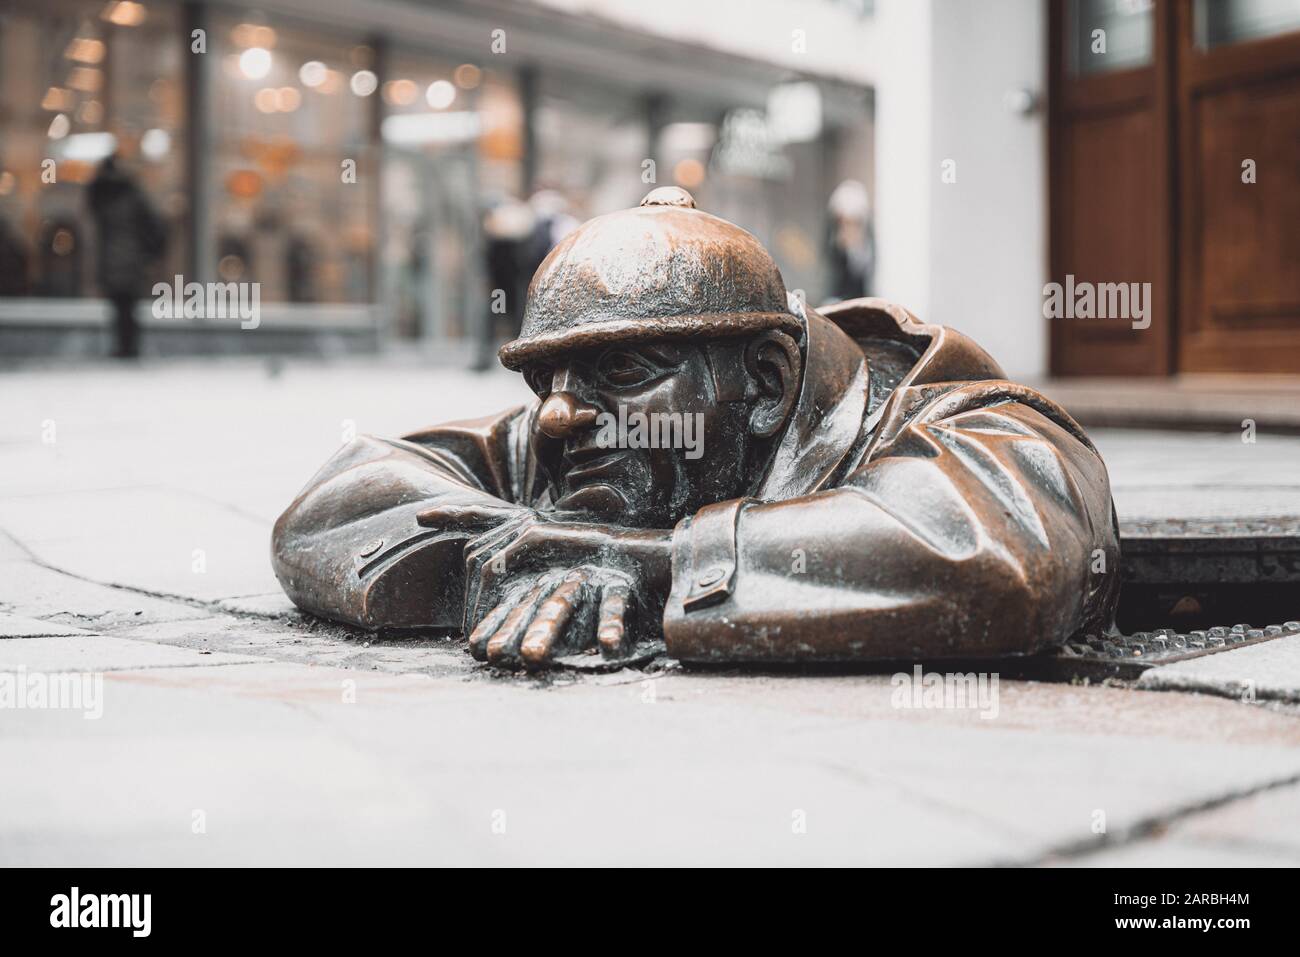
point(1109, 188)
point(1239, 259)
point(1109, 224)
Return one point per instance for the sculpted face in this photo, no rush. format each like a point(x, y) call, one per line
point(637, 435)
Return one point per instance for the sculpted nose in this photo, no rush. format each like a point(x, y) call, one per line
point(563, 414)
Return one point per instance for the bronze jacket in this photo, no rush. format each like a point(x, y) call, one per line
point(918, 504)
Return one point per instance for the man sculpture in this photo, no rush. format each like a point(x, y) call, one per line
point(796, 486)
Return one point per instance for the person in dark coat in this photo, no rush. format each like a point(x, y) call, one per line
point(131, 238)
point(851, 242)
point(13, 261)
point(507, 229)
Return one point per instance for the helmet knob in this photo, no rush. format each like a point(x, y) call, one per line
point(669, 196)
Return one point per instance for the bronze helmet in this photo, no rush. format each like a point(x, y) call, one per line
point(662, 270)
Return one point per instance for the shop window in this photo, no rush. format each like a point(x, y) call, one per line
point(292, 169)
point(80, 81)
point(592, 144)
point(452, 136)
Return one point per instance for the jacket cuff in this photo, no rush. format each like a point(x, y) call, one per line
point(704, 557)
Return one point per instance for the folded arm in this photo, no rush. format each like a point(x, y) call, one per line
point(982, 532)
point(351, 545)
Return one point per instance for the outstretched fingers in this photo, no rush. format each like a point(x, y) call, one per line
point(483, 632)
point(503, 645)
point(611, 622)
point(550, 622)
point(551, 616)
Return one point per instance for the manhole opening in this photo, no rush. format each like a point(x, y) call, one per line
point(1191, 607)
point(1196, 574)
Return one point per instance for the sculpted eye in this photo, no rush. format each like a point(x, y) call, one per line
point(626, 369)
point(539, 380)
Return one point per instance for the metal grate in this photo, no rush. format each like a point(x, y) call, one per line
point(1130, 655)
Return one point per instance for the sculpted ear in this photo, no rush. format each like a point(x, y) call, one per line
point(774, 365)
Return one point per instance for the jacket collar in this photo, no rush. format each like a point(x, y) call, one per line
point(837, 412)
point(827, 418)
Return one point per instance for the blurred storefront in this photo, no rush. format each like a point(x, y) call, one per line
point(383, 170)
point(73, 85)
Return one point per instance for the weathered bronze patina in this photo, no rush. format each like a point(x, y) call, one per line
point(842, 485)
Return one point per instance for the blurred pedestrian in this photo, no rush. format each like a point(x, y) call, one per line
point(13, 261)
point(553, 221)
point(131, 237)
point(852, 244)
point(507, 228)
point(59, 249)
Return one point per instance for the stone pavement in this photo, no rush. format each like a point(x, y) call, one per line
point(135, 508)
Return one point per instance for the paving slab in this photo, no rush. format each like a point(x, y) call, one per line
point(1053, 757)
point(420, 771)
point(274, 604)
point(316, 765)
point(1206, 476)
point(1264, 822)
point(15, 626)
point(37, 592)
point(311, 641)
point(1269, 671)
point(1257, 831)
point(91, 653)
point(10, 550)
point(231, 431)
point(1178, 852)
point(155, 540)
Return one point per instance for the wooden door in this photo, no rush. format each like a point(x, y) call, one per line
point(1109, 144)
point(1175, 159)
point(1238, 103)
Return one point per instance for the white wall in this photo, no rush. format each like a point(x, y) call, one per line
point(904, 173)
point(988, 231)
point(970, 254)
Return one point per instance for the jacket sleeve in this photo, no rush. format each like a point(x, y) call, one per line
point(981, 527)
point(349, 547)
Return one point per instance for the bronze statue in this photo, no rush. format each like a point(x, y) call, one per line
point(711, 462)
